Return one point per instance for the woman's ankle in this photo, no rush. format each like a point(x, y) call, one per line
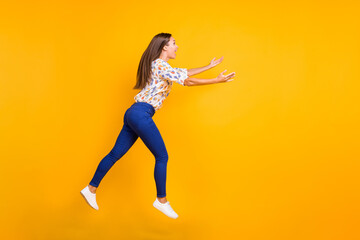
point(92, 189)
point(162, 199)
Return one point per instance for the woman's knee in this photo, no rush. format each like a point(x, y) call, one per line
point(164, 157)
point(115, 155)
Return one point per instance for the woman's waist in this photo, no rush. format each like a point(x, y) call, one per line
point(145, 106)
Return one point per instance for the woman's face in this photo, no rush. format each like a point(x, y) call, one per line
point(171, 48)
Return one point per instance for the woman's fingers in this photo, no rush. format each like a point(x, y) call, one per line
point(231, 74)
point(228, 77)
point(219, 60)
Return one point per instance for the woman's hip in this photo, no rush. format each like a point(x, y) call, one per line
point(143, 107)
point(139, 113)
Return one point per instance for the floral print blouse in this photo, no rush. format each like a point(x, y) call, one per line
point(162, 78)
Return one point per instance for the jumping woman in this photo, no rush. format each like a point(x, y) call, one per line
point(155, 78)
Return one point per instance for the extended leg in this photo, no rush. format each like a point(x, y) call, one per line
point(125, 140)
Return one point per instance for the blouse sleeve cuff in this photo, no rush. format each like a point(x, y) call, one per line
point(184, 75)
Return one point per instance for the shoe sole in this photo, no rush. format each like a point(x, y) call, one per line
point(87, 201)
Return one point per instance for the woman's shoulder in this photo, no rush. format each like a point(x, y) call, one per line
point(160, 62)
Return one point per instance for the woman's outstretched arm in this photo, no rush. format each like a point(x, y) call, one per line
point(213, 63)
point(194, 71)
point(219, 79)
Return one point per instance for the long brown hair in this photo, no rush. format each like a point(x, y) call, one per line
point(151, 53)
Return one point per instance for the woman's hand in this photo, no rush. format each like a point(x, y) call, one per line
point(214, 62)
point(225, 78)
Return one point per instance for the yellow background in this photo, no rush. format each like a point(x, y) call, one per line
point(273, 154)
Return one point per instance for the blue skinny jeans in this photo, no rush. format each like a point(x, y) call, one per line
point(138, 122)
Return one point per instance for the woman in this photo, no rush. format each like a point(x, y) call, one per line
point(138, 120)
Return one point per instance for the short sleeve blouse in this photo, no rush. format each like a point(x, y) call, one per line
point(162, 78)
point(165, 71)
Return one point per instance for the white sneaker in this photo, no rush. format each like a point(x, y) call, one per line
point(89, 197)
point(165, 208)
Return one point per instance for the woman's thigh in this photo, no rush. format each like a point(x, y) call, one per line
point(144, 126)
point(126, 138)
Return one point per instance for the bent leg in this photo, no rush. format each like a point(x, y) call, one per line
point(147, 130)
point(127, 137)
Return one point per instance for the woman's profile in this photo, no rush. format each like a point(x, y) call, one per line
point(155, 78)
